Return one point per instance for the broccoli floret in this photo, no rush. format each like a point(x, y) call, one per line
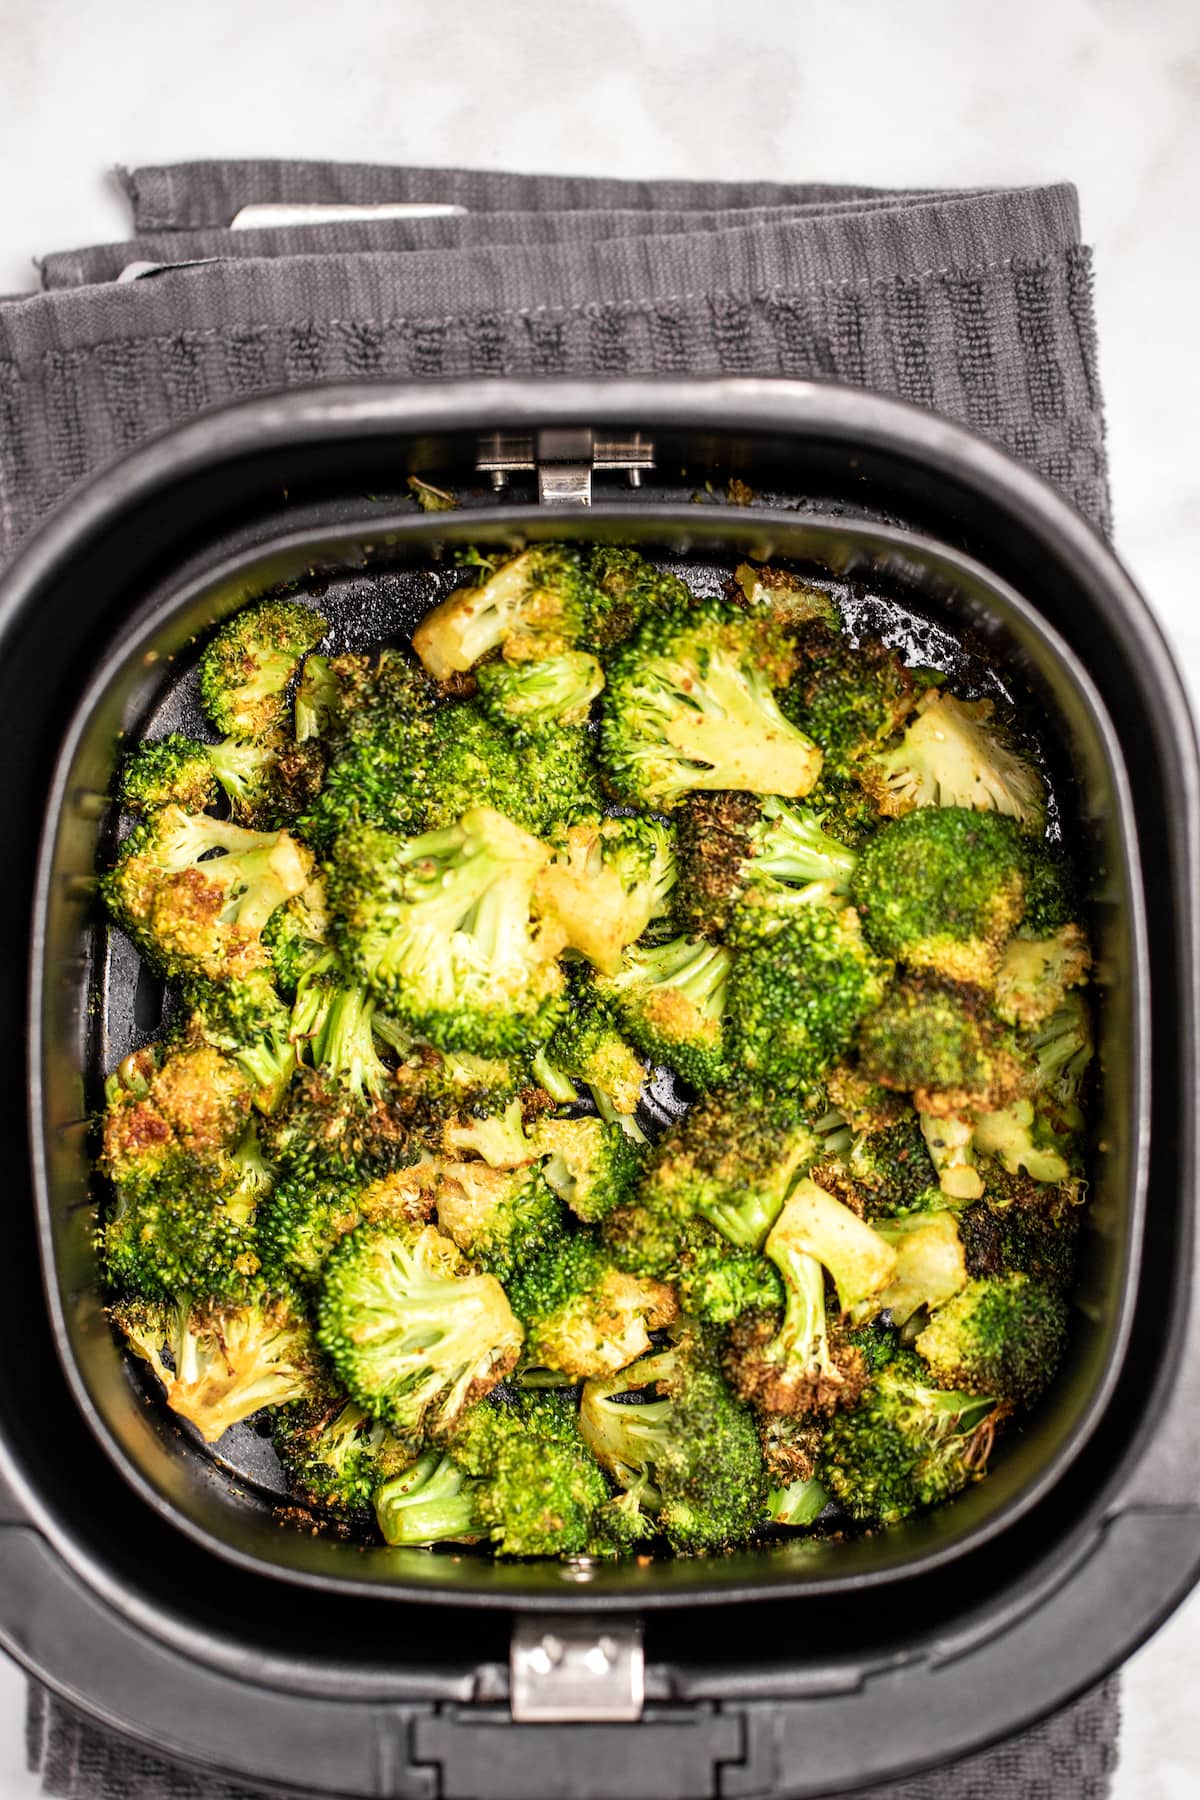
point(943, 889)
point(607, 880)
point(304, 1221)
point(431, 1085)
point(464, 760)
point(381, 761)
point(335, 1455)
point(719, 1281)
point(797, 994)
point(889, 1167)
point(791, 1446)
point(939, 1041)
point(194, 893)
point(248, 663)
point(625, 590)
point(788, 599)
point(950, 1139)
point(323, 1130)
point(516, 1473)
point(1023, 1227)
point(592, 1164)
point(332, 1029)
point(688, 1454)
point(178, 771)
point(907, 1445)
point(297, 935)
point(172, 1113)
point(1051, 894)
point(1035, 973)
point(1021, 1137)
point(532, 605)
point(814, 1222)
point(502, 1218)
point(440, 926)
point(1059, 1052)
point(555, 690)
point(955, 753)
point(1004, 1337)
point(730, 1160)
point(221, 1361)
point(318, 699)
point(737, 848)
point(588, 1048)
point(415, 1335)
point(847, 697)
point(690, 704)
point(495, 1134)
point(670, 999)
point(930, 1264)
point(583, 1315)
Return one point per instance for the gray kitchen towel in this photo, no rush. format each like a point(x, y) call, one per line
point(1069, 1757)
point(977, 304)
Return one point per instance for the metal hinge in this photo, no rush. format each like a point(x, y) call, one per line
point(564, 1671)
point(564, 460)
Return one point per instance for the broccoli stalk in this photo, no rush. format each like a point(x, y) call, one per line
point(930, 1265)
point(432, 1502)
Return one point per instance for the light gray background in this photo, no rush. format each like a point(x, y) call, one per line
point(933, 93)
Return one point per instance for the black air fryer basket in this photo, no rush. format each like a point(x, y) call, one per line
point(153, 1582)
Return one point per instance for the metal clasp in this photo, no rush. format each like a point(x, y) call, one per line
point(565, 460)
point(564, 1670)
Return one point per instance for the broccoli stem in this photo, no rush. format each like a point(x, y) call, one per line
point(430, 1503)
point(790, 846)
point(560, 1087)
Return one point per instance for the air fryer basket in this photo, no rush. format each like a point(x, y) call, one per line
point(896, 504)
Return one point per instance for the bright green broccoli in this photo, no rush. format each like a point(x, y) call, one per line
point(441, 928)
point(907, 1445)
point(527, 696)
point(587, 1048)
point(669, 1431)
point(737, 849)
point(502, 1218)
point(1002, 1336)
point(247, 664)
point(848, 698)
point(592, 1164)
point(670, 999)
point(335, 1455)
point(626, 589)
point(179, 771)
point(690, 703)
point(582, 1314)
point(415, 1335)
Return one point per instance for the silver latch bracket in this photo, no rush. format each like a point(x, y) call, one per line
point(565, 460)
point(572, 1671)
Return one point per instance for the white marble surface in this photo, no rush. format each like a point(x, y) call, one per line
point(1103, 92)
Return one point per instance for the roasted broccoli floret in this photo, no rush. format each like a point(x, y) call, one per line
point(930, 1265)
point(849, 698)
point(907, 1445)
point(532, 605)
point(582, 1314)
point(297, 935)
point(955, 753)
point(798, 992)
point(587, 1048)
point(441, 927)
point(324, 1130)
point(1002, 1336)
point(194, 893)
point(179, 771)
point(669, 1431)
point(172, 1111)
point(192, 1230)
point(331, 1029)
point(416, 1336)
point(625, 590)
point(719, 1281)
point(555, 690)
point(737, 849)
point(380, 734)
point(1059, 1052)
point(247, 664)
point(788, 599)
point(1020, 1136)
point(943, 889)
point(220, 1362)
point(516, 1473)
point(607, 880)
point(502, 1218)
point(884, 1160)
point(670, 999)
point(940, 1042)
point(304, 1221)
point(335, 1455)
point(591, 1164)
point(1023, 1227)
point(690, 704)
point(1035, 973)
point(815, 1223)
point(318, 699)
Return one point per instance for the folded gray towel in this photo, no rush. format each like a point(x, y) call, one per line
point(977, 304)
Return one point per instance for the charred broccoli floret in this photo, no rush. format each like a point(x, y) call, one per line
point(172, 1111)
point(849, 698)
point(788, 599)
point(1002, 1336)
point(555, 690)
point(304, 1220)
point(591, 1164)
point(939, 1041)
point(587, 1048)
point(582, 1314)
point(737, 848)
point(441, 927)
point(606, 881)
point(886, 1164)
point(798, 992)
point(220, 1362)
point(943, 889)
point(669, 1431)
point(415, 1335)
point(324, 1130)
point(1023, 1227)
point(955, 753)
point(191, 1231)
point(179, 771)
point(670, 999)
point(690, 704)
point(247, 664)
point(502, 1218)
point(194, 893)
point(907, 1445)
point(532, 605)
point(335, 1455)
point(625, 590)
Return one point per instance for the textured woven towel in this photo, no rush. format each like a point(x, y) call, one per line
point(977, 304)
